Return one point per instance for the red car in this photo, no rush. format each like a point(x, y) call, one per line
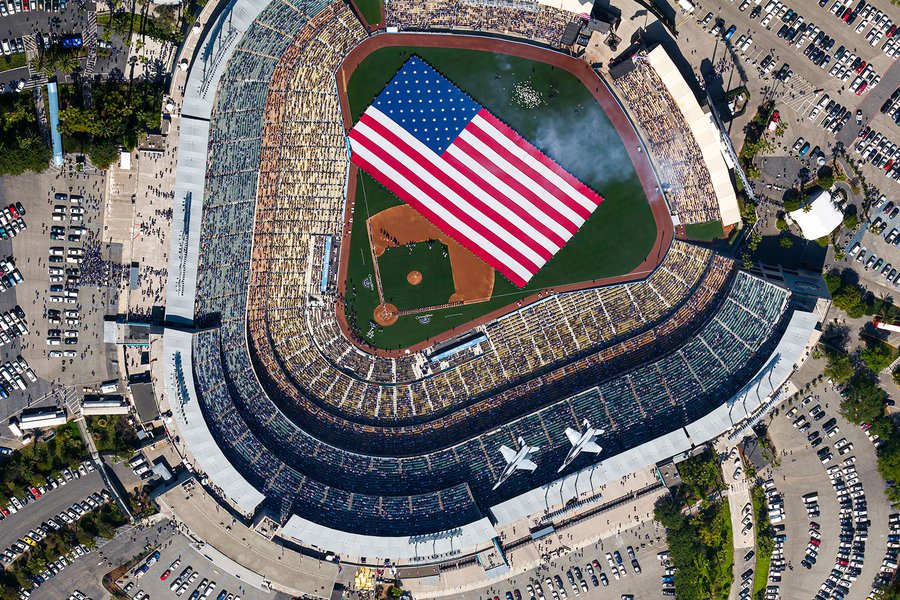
point(891, 31)
point(814, 541)
point(862, 88)
point(165, 575)
point(888, 165)
point(13, 211)
point(861, 66)
point(34, 492)
point(846, 15)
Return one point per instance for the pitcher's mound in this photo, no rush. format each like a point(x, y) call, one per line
point(414, 278)
point(385, 314)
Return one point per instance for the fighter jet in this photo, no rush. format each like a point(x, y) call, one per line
point(516, 460)
point(581, 442)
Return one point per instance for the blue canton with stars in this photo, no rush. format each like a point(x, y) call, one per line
point(426, 104)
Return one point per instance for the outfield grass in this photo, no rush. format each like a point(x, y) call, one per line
point(370, 10)
point(567, 124)
point(431, 261)
point(705, 232)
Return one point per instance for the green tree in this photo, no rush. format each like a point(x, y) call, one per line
point(667, 512)
point(877, 355)
point(103, 153)
point(839, 367)
point(786, 242)
point(21, 146)
point(851, 221)
point(848, 299)
point(791, 204)
point(865, 400)
point(833, 281)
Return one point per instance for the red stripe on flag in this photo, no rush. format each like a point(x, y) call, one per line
point(385, 155)
point(545, 160)
point(456, 186)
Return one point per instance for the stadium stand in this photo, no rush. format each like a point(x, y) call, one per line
point(396, 446)
point(541, 23)
point(683, 173)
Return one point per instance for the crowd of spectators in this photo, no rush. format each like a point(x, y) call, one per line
point(683, 171)
point(540, 23)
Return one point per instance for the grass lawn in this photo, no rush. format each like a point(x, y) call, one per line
point(370, 10)
point(551, 109)
point(13, 61)
point(113, 434)
point(434, 265)
point(704, 232)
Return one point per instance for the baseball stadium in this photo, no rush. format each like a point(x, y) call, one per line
point(345, 362)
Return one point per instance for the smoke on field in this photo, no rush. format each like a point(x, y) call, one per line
point(562, 136)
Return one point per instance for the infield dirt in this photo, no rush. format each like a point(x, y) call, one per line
point(473, 280)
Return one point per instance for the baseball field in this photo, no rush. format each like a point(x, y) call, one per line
point(552, 109)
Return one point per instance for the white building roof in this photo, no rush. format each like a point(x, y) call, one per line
point(572, 6)
point(819, 218)
point(425, 548)
point(704, 131)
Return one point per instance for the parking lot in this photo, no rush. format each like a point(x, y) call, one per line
point(50, 504)
point(762, 54)
point(802, 473)
point(872, 252)
point(31, 249)
point(193, 569)
point(25, 24)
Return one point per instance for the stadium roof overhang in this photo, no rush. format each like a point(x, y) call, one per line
point(424, 548)
point(185, 406)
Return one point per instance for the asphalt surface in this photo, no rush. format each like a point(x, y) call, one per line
point(177, 546)
point(647, 584)
point(50, 504)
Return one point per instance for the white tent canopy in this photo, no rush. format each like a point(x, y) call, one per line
point(819, 218)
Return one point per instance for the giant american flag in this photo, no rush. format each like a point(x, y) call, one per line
point(469, 174)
